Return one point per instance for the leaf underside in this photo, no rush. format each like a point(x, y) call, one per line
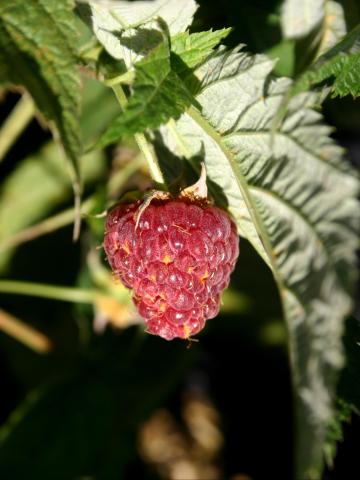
point(294, 198)
point(119, 22)
point(299, 18)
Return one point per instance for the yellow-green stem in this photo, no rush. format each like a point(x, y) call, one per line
point(46, 226)
point(15, 124)
point(24, 333)
point(146, 148)
point(55, 292)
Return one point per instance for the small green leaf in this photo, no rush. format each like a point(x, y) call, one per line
point(339, 67)
point(158, 95)
point(295, 199)
point(191, 49)
point(37, 40)
point(335, 434)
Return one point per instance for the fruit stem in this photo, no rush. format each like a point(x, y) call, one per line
point(24, 333)
point(15, 124)
point(199, 190)
point(145, 147)
point(55, 292)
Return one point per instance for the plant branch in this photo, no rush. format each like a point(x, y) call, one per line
point(66, 217)
point(55, 292)
point(15, 124)
point(25, 334)
point(46, 226)
point(145, 147)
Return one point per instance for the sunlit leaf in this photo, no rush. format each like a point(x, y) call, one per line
point(158, 95)
point(300, 17)
point(115, 24)
point(191, 49)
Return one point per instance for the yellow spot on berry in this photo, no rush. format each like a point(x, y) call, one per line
point(166, 259)
point(204, 277)
point(153, 277)
point(190, 270)
point(187, 331)
point(126, 247)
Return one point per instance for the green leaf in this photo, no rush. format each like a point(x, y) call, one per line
point(284, 54)
point(295, 199)
point(37, 42)
point(99, 108)
point(300, 17)
point(158, 95)
point(91, 418)
point(191, 49)
point(116, 26)
point(339, 67)
point(335, 434)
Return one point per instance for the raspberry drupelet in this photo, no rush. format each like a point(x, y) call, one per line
point(177, 257)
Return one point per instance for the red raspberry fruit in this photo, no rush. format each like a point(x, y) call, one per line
point(177, 260)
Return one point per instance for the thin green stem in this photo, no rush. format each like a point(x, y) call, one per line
point(55, 292)
point(16, 123)
point(66, 217)
point(27, 335)
point(120, 95)
point(151, 159)
point(46, 226)
point(145, 147)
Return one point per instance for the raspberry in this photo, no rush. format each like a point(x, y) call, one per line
point(177, 258)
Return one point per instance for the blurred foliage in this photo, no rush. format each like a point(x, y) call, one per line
point(90, 418)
